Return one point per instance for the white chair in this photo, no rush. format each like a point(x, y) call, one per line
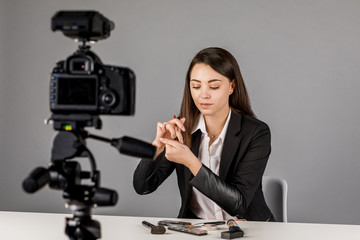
point(275, 192)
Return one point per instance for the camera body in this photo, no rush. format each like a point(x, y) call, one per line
point(82, 84)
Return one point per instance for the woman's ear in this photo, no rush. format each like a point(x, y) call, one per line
point(232, 86)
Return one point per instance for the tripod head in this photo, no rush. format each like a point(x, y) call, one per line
point(65, 174)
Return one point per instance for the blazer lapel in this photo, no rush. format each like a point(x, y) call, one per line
point(195, 144)
point(232, 140)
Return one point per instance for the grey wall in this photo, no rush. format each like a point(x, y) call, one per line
point(300, 61)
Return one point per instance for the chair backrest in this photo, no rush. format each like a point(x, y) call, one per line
point(275, 192)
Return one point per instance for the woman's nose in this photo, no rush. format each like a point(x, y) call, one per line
point(204, 93)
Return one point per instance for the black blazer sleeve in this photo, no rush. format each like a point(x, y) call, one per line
point(236, 191)
point(150, 174)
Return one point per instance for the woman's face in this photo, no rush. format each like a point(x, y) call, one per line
point(210, 90)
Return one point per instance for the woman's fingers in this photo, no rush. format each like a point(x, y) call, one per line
point(179, 136)
point(168, 142)
point(161, 126)
point(171, 143)
point(171, 129)
point(179, 123)
point(175, 132)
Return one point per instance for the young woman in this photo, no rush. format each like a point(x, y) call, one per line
point(217, 147)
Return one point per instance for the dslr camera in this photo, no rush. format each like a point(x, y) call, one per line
point(82, 84)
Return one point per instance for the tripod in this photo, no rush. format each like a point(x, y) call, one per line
point(81, 226)
point(65, 174)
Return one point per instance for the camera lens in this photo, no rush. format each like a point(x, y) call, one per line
point(108, 98)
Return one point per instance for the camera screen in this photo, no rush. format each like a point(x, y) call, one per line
point(77, 91)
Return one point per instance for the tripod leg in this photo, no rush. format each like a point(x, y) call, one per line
point(82, 229)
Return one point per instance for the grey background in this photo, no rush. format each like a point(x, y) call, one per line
point(300, 61)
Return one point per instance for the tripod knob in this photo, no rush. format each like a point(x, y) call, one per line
point(36, 180)
point(105, 197)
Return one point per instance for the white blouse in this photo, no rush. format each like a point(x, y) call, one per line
point(210, 156)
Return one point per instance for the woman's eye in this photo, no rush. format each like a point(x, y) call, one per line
point(214, 87)
point(195, 87)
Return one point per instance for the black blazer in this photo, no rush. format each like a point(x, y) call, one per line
point(237, 189)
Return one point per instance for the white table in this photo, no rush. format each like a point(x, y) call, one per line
point(21, 225)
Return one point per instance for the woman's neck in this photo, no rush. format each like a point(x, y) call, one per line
point(215, 123)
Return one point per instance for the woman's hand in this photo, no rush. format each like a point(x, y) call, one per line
point(168, 130)
point(180, 153)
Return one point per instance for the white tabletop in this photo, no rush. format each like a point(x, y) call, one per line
point(20, 225)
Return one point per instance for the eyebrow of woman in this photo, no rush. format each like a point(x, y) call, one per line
point(210, 81)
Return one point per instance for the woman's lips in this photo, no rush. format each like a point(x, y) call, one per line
point(205, 105)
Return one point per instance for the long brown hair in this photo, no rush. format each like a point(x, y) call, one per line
point(224, 63)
